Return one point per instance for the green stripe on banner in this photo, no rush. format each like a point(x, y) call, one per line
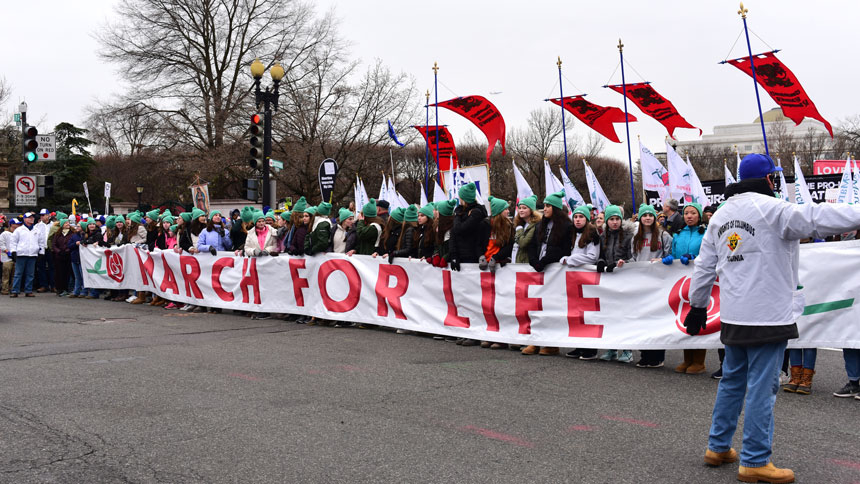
point(828, 306)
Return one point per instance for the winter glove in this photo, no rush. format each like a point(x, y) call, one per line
point(684, 260)
point(610, 267)
point(273, 253)
point(391, 258)
point(538, 266)
point(443, 263)
point(264, 252)
point(696, 320)
point(482, 263)
point(668, 260)
point(256, 252)
point(455, 265)
point(212, 250)
point(433, 261)
point(14, 256)
point(492, 264)
point(601, 266)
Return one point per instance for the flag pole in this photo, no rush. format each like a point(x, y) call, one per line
point(436, 97)
point(627, 123)
point(563, 127)
point(427, 144)
point(743, 13)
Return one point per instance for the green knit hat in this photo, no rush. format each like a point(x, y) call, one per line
point(300, 205)
point(343, 214)
point(166, 213)
point(134, 217)
point(612, 211)
point(61, 215)
point(110, 222)
point(468, 192)
point(411, 213)
point(196, 213)
point(369, 208)
point(446, 207)
point(62, 221)
point(152, 214)
point(173, 228)
point(584, 211)
point(311, 210)
point(428, 210)
point(247, 214)
point(186, 217)
point(286, 214)
point(324, 209)
point(84, 223)
point(213, 213)
point(168, 219)
point(697, 206)
point(117, 219)
point(530, 202)
point(555, 200)
point(647, 209)
point(271, 214)
point(397, 215)
point(256, 215)
point(497, 205)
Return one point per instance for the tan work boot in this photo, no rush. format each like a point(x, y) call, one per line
point(688, 360)
point(805, 386)
point(531, 350)
point(719, 458)
point(698, 366)
point(769, 473)
point(140, 299)
point(549, 351)
point(796, 378)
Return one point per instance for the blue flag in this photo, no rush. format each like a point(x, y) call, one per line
point(392, 135)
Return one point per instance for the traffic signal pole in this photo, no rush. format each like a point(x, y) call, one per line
point(23, 140)
point(267, 155)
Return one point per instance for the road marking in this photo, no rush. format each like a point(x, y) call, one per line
point(642, 423)
point(845, 463)
point(492, 434)
point(581, 428)
point(116, 360)
point(244, 377)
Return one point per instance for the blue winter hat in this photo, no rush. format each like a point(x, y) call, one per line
point(756, 165)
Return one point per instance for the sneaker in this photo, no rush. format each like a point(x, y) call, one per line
point(609, 355)
point(130, 299)
point(438, 337)
point(574, 353)
point(784, 377)
point(588, 355)
point(626, 356)
point(717, 374)
point(171, 306)
point(262, 316)
point(402, 331)
point(186, 307)
point(851, 389)
point(856, 397)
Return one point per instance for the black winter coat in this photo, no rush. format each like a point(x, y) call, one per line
point(469, 234)
point(406, 249)
point(426, 251)
point(558, 243)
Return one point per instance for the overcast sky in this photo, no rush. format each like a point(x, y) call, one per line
point(504, 50)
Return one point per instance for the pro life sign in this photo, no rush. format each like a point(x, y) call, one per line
point(25, 191)
point(47, 149)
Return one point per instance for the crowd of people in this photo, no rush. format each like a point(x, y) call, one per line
point(40, 252)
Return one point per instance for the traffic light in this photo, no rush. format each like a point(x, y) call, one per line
point(45, 185)
point(30, 144)
point(252, 189)
point(256, 160)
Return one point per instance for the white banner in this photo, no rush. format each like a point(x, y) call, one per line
point(480, 174)
point(640, 306)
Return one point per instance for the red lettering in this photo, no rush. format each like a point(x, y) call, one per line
point(250, 280)
point(299, 282)
point(190, 277)
point(147, 267)
point(577, 305)
point(217, 267)
point(488, 300)
point(353, 281)
point(452, 318)
point(386, 295)
point(524, 302)
point(169, 281)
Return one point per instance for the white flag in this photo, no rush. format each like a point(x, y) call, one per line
point(698, 191)
point(680, 185)
point(845, 189)
point(783, 186)
point(438, 194)
point(551, 183)
point(383, 191)
point(801, 189)
point(571, 194)
point(598, 197)
point(738, 167)
point(729, 178)
point(523, 188)
point(856, 183)
point(401, 202)
point(392, 193)
point(655, 178)
point(423, 196)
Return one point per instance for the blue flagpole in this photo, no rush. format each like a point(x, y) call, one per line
point(743, 13)
point(627, 124)
point(563, 127)
point(427, 146)
point(436, 93)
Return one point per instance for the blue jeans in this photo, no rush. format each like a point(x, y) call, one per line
point(803, 357)
point(79, 279)
point(45, 271)
point(750, 372)
point(25, 267)
point(852, 362)
point(93, 292)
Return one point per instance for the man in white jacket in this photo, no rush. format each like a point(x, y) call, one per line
point(25, 245)
point(752, 245)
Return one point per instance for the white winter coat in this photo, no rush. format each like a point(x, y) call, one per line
point(27, 242)
point(270, 244)
point(578, 256)
point(752, 244)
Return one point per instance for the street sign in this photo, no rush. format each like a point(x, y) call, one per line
point(47, 149)
point(25, 191)
point(278, 165)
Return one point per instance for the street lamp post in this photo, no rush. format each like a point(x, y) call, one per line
point(139, 194)
point(269, 100)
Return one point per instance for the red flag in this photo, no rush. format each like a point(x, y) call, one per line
point(655, 105)
point(780, 83)
point(446, 145)
point(598, 118)
point(483, 114)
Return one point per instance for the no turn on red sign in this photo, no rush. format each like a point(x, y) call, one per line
point(25, 191)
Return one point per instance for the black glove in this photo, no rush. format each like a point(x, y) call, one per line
point(212, 250)
point(391, 258)
point(273, 253)
point(14, 257)
point(610, 267)
point(264, 252)
point(455, 265)
point(696, 320)
point(601, 266)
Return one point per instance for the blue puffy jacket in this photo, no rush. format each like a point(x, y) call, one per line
point(687, 241)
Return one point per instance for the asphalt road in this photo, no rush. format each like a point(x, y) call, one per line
point(96, 391)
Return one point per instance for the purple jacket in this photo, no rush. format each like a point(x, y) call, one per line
point(212, 238)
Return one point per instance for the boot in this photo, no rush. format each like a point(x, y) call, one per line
point(548, 351)
point(805, 386)
point(796, 378)
point(769, 473)
point(155, 301)
point(531, 350)
point(698, 365)
point(719, 458)
point(141, 298)
point(688, 360)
